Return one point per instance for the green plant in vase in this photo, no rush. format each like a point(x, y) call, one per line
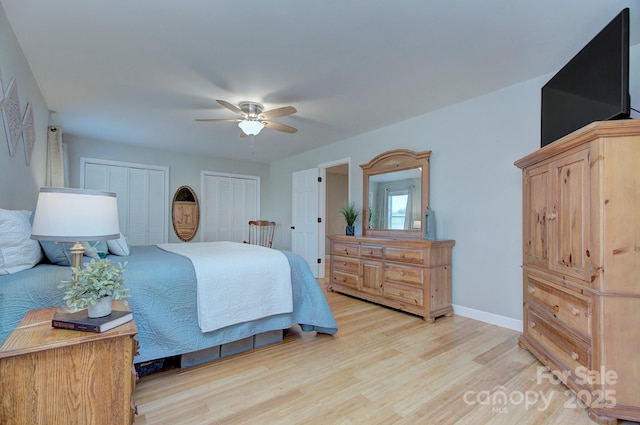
point(95, 286)
point(350, 212)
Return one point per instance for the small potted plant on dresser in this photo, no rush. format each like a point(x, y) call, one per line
point(95, 286)
point(350, 212)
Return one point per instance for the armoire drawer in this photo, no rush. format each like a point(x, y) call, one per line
point(569, 349)
point(342, 278)
point(408, 294)
point(573, 311)
point(345, 249)
point(402, 274)
point(371, 251)
point(347, 264)
point(405, 255)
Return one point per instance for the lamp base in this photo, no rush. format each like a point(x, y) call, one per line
point(77, 251)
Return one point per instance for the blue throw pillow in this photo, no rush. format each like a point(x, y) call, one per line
point(58, 253)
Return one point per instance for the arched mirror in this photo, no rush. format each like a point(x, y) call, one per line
point(185, 212)
point(396, 193)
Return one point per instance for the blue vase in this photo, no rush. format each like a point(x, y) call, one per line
point(429, 225)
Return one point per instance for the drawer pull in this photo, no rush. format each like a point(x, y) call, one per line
point(532, 325)
point(401, 272)
point(344, 263)
point(556, 308)
point(574, 355)
point(371, 252)
point(575, 311)
point(532, 290)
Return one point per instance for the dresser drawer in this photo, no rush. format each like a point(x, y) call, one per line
point(347, 264)
point(403, 274)
point(556, 340)
point(342, 248)
point(405, 255)
point(570, 309)
point(342, 278)
point(371, 251)
point(407, 294)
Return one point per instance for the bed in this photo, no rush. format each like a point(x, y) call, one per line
point(163, 298)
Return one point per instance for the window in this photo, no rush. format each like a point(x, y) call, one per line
point(397, 209)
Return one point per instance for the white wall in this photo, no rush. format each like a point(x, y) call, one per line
point(475, 188)
point(184, 169)
point(19, 183)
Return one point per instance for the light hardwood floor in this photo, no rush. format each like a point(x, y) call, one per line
point(382, 367)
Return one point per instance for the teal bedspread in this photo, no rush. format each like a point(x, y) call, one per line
point(163, 299)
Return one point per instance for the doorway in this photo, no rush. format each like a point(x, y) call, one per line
point(336, 195)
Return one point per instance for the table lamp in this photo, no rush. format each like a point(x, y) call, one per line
point(75, 215)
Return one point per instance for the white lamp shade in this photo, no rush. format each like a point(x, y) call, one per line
point(250, 128)
point(75, 215)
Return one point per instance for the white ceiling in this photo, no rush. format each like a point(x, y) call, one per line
point(141, 71)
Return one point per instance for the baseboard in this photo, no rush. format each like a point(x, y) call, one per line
point(483, 316)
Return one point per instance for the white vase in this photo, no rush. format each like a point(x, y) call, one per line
point(101, 308)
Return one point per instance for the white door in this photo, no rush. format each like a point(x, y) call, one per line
point(142, 192)
point(228, 203)
point(305, 226)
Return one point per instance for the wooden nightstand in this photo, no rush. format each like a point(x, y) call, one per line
point(57, 376)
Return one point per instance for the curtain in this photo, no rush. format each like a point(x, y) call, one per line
point(409, 213)
point(55, 157)
point(381, 215)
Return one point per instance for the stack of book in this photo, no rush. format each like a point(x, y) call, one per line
point(80, 321)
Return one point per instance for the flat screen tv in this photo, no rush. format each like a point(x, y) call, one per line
point(593, 86)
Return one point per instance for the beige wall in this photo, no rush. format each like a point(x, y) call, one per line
point(337, 187)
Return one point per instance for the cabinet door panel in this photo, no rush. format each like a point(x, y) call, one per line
point(570, 252)
point(371, 277)
point(536, 229)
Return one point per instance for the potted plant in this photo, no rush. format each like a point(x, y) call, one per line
point(350, 212)
point(95, 286)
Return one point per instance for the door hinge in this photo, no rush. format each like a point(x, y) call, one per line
point(319, 219)
point(319, 260)
point(319, 179)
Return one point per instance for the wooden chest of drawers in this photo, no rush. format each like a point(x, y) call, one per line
point(408, 275)
point(581, 270)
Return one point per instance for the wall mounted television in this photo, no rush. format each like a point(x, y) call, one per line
point(593, 86)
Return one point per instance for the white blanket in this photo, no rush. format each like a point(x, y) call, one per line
point(237, 282)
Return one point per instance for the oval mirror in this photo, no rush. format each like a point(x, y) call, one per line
point(185, 211)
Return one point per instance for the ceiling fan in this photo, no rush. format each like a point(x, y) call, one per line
point(253, 118)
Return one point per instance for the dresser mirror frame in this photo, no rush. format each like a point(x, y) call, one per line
point(185, 213)
point(391, 162)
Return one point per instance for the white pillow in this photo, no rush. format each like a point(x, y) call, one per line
point(17, 250)
point(119, 246)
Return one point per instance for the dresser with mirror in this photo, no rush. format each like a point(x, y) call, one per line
point(391, 263)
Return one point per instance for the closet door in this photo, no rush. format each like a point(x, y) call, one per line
point(228, 203)
point(142, 196)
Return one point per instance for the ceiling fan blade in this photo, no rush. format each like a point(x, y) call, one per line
point(279, 112)
point(280, 127)
point(229, 106)
point(219, 119)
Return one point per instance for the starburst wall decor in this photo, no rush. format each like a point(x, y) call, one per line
point(28, 133)
point(11, 116)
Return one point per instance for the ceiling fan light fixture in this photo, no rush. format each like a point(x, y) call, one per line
point(250, 127)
